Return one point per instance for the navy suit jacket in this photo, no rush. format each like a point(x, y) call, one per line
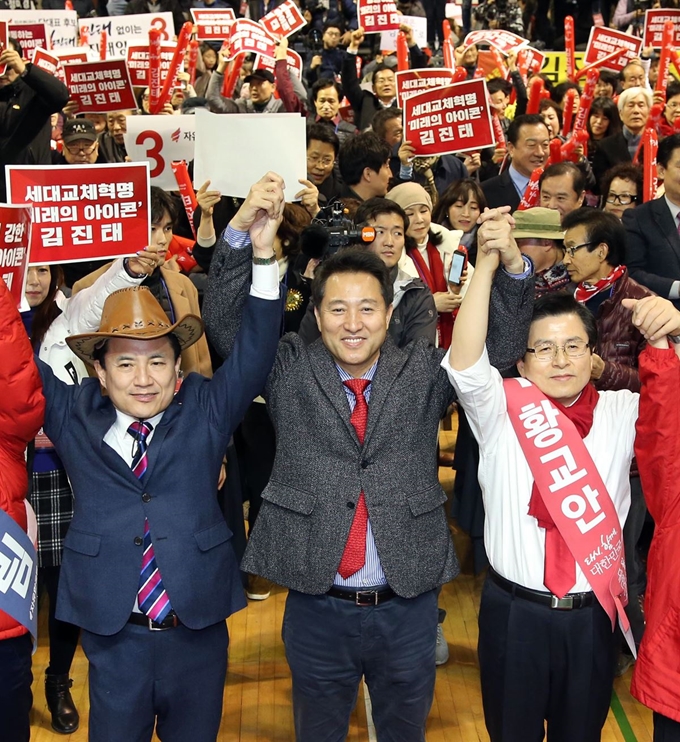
point(653, 246)
point(501, 191)
point(178, 493)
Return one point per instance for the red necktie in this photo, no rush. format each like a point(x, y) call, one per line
point(354, 556)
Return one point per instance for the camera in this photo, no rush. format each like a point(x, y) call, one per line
point(333, 230)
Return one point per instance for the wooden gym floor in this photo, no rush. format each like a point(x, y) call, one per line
point(257, 704)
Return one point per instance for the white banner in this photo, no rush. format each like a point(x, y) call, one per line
point(122, 30)
point(388, 39)
point(159, 140)
point(62, 25)
point(235, 151)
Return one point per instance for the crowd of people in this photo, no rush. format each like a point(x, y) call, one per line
point(539, 297)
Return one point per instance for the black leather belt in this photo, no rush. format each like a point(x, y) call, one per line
point(567, 603)
point(169, 622)
point(363, 597)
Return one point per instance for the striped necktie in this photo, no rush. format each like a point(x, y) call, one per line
point(151, 596)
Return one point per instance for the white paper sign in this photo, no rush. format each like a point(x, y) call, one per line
point(124, 29)
point(388, 39)
point(159, 140)
point(249, 147)
point(62, 25)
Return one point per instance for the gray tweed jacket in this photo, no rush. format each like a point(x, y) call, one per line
point(320, 466)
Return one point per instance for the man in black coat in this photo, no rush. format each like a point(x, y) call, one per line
point(528, 147)
point(28, 97)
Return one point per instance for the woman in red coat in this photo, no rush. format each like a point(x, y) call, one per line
point(21, 414)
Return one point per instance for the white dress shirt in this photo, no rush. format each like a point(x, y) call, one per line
point(514, 542)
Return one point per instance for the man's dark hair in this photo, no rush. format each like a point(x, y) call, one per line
point(557, 303)
point(15, 45)
point(380, 68)
point(379, 121)
point(160, 203)
point(337, 23)
point(601, 227)
point(325, 82)
point(625, 171)
point(352, 260)
point(99, 353)
point(366, 150)
point(667, 146)
point(323, 133)
point(372, 208)
point(498, 84)
point(525, 119)
point(557, 169)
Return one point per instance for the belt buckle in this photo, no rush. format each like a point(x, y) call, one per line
point(562, 604)
point(372, 596)
point(156, 628)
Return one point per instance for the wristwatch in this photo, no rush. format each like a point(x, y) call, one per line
point(264, 261)
point(675, 339)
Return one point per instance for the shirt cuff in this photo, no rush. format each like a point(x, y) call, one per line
point(352, 52)
point(528, 269)
point(207, 241)
point(405, 172)
point(265, 283)
point(674, 293)
point(235, 238)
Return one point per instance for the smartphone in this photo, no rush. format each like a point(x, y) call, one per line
point(458, 266)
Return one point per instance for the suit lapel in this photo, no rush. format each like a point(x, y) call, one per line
point(162, 429)
point(667, 225)
point(103, 418)
point(390, 364)
point(326, 373)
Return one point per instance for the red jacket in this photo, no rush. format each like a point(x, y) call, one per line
point(22, 407)
point(656, 679)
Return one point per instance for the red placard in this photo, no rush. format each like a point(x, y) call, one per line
point(4, 33)
point(31, 36)
point(455, 118)
point(72, 57)
point(604, 41)
point(46, 61)
point(213, 25)
point(284, 20)
point(376, 16)
point(100, 87)
point(15, 233)
point(504, 41)
point(294, 61)
point(212, 15)
point(83, 212)
point(412, 82)
point(530, 60)
point(248, 36)
point(138, 62)
point(653, 32)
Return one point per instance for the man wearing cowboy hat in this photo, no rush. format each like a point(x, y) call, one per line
point(149, 572)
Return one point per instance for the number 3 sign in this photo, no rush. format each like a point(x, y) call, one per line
point(159, 140)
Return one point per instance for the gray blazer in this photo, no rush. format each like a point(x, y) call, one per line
point(320, 467)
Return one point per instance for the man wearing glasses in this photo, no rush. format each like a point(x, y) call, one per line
point(555, 456)
point(81, 144)
point(652, 229)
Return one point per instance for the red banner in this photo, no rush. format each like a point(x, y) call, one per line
point(83, 212)
point(284, 20)
point(138, 62)
point(653, 32)
point(530, 60)
point(248, 36)
point(4, 34)
point(411, 82)
point(604, 41)
point(15, 233)
point(73, 57)
point(455, 118)
point(100, 87)
point(376, 16)
point(31, 36)
point(504, 41)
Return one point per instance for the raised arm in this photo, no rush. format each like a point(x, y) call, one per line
point(213, 92)
point(348, 72)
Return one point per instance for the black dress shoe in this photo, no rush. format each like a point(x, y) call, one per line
point(65, 719)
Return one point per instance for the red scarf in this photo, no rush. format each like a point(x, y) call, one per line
point(581, 414)
point(433, 277)
point(585, 291)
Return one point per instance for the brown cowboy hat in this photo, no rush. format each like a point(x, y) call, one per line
point(135, 314)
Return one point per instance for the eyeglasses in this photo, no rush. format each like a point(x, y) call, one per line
point(548, 351)
point(621, 198)
point(79, 149)
point(324, 161)
point(570, 251)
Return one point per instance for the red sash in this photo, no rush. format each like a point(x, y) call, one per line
point(433, 277)
point(573, 493)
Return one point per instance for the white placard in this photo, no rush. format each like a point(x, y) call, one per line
point(234, 151)
point(388, 39)
point(454, 12)
point(62, 25)
point(159, 140)
point(124, 29)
